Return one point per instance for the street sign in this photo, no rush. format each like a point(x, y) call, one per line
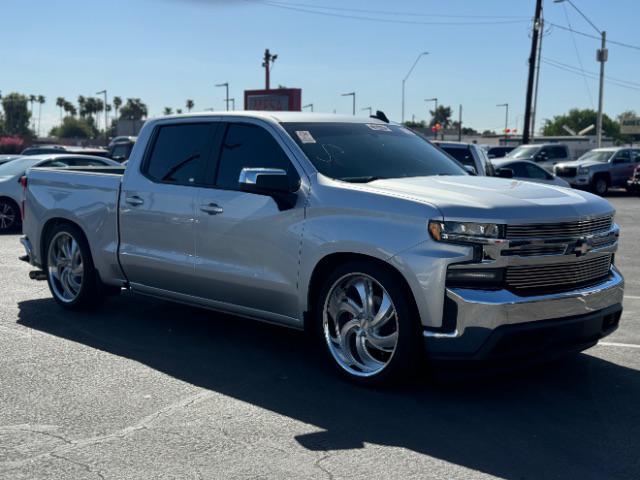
point(280, 99)
point(630, 126)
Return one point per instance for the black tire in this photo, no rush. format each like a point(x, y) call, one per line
point(600, 185)
point(407, 358)
point(10, 216)
point(91, 292)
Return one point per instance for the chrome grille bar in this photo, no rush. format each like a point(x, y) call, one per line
point(565, 229)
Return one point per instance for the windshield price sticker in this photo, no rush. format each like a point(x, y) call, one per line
point(305, 136)
point(378, 128)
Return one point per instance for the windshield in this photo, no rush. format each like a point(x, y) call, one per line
point(16, 167)
point(595, 156)
point(523, 151)
point(361, 152)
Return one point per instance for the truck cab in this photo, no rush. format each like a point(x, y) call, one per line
point(546, 155)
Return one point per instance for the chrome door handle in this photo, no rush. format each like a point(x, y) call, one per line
point(211, 208)
point(134, 200)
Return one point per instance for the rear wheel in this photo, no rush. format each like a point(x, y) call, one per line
point(9, 215)
point(71, 275)
point(366, 324)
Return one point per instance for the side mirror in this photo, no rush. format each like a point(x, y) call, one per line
point(505, 173)
point(470, 170)
point(273, 182)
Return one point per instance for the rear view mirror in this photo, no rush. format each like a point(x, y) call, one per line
point(505, 173)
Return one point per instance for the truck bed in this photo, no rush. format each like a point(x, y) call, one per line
point(86, 196)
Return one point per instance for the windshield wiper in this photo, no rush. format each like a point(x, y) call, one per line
point(365, 179)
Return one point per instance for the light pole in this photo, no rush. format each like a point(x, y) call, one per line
point(368, 108)
point(104, 92)
point(602, 55)
point(351, 94)
point(506, 118)
point(233, 103)
point(309, 106)
point(225, 85)
point(404, 80)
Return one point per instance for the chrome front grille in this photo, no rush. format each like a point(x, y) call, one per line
point(575, 229)
point(568, 172)
point(558, 277)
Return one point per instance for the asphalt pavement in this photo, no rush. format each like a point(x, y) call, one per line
point(143, 389)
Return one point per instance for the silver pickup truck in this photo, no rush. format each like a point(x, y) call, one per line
point(356, 229)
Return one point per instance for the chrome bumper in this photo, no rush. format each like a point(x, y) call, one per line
point(492, 309)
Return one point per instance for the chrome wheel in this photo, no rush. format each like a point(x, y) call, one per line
point(360, 324)
point(601, 186)
point(65, 267)
point(7, 216)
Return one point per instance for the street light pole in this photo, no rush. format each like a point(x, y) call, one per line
point(602, 55)
point(233, 103)
point(506, 119)
point(226, 85)
point(104, 92)
point(368, 108)
point(351, 94)
point(404, 80)
point(309, 105)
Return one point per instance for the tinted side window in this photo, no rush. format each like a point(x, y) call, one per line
point(463, 155)
point(635, 155)
point(519, 170)
point(555, 152)
point(623, 156)
point(534, 171)
point(180, 153)
point(248, 146)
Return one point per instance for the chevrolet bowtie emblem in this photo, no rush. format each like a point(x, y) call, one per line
point(583, 246)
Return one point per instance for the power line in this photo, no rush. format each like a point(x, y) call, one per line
point(575, 47)
point(578, 71)
point(388, 12)
point(382, 20)
point(620, 80)
point(588, 35)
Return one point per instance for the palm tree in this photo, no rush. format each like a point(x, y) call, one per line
point(40, 101)
point(167, 111)
point(60, 101)
point(32, 99)
point(178, 110)
point(70, 108)
point(117, 103)
point(190, 105)
point(81, 104)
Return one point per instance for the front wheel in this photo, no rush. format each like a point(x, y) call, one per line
point(71, 276)
point(600, 186)
point(367, 324)
point(9, 215)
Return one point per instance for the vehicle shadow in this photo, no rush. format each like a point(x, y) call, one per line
point(576, 419)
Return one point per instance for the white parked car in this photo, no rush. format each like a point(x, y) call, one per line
point(527, 171)
point(12, 171)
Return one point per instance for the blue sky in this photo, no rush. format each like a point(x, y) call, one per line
point(165, 51)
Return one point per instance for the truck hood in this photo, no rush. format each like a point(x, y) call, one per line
point(583, 163)
point(493, 199)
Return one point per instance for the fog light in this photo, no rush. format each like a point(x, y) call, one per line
point(484, 278)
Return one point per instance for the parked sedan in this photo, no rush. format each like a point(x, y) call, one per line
point(7, 158)
point(11, 173)
point(527, 171)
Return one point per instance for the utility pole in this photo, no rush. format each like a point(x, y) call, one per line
point(533, 60)
point(351, 94)
point(535, 90)
point(404, 80)
point(266, 63)
point(104, 92)
point(602, 55)
point(309, 105)
point(225, 85)
point(460, 123)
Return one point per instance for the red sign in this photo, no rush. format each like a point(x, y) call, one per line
point(280, 99)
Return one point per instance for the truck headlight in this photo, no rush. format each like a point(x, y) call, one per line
point(583, 170)
point(466, 232)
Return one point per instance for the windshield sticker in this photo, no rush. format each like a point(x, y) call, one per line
point(378, 128)
point(305, 136)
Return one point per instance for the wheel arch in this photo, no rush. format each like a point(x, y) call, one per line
point(49, 225)
point(329, 262)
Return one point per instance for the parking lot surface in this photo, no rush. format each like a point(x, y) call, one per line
point(143, 389)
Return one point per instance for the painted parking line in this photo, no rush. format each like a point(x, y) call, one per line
point(614, 344)
point(633, 297)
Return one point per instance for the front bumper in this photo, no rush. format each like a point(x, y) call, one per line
point(482, 322)
point(578, 181)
